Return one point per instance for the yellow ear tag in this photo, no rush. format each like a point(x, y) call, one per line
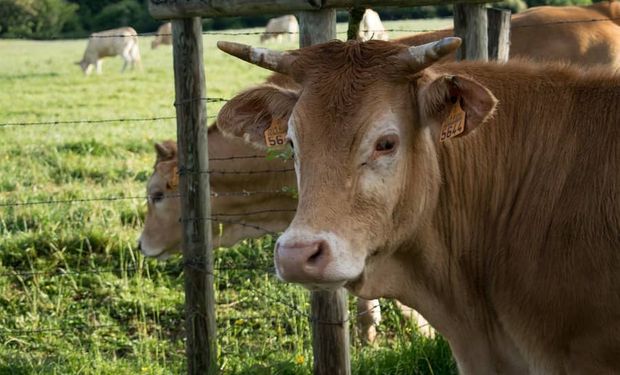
point(275, 134)
point(454, 124)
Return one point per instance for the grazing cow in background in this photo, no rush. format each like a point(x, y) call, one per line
point(122, 41)
point(277, 27)
point(163, 35)
point(484, 195)
point(371, 27)
point(556, 33)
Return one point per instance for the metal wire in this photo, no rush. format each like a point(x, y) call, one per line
point(41, 123)
point(241, 33)
point(85, 121)
point(184, 171)
point(208, 100)
point(113, 198)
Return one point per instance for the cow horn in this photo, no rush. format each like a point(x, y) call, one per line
point(420, 57)
point(273, 60)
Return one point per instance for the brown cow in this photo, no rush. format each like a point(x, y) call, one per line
point(162, 232)
point(577, 47)
point(486, 196)
point(587, 35)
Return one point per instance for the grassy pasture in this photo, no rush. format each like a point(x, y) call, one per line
point(76, 297)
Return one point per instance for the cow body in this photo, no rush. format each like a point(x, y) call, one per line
point(122, 41)
point(371, 27)
point(163, 35)
point(550, 33)
point(277, 27)
point(505, 236)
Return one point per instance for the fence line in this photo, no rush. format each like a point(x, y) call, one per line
point(421, 30)
point(87, 327)
point(182, 171)
point(284, 190)
point(84, 121)
point(91, 271)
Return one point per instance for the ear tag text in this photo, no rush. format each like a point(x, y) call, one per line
point(275, 134)
point(454, 124)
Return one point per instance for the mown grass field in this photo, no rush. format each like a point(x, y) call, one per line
point(76, 297)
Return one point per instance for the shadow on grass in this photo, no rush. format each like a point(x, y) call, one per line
point(9, 77)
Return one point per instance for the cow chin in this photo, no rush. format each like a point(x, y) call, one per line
point(158, 252)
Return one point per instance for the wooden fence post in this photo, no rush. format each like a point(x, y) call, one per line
point(499, 34)
point(470, 24)
point(330, 326)
point(190, 89)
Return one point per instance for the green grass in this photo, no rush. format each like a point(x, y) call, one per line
point(76, 297)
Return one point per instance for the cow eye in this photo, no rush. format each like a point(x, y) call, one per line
point(386, 144)
point(157, 197)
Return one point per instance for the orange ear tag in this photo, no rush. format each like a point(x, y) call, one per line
point(275, 134)
point(454, 124)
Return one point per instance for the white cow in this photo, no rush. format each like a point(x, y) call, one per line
point(163, 35)
point(371, 27)
point(122, 41)
point(276, 27)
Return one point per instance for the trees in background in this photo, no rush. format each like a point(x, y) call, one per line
point(34, 18)
point(47, 19)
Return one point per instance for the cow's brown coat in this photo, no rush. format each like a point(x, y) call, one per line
point(507, 239)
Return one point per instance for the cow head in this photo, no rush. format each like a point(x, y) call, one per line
point(162, 232)
point(85, 66)
point(270, 209)
point(364, 128)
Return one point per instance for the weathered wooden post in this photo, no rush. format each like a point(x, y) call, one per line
point(499, 34)
point(329, 310)
point(470, 24)
point(190, 89)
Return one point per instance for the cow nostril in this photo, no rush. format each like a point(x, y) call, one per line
point(317, 254)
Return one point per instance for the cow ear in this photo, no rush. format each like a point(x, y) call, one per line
point(259, 115)
point(165, 151)
point(173, 180)
point(455, 105)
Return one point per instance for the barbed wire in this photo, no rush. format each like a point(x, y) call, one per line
point(257, 212)
point(208, 100)
point(62, 122)
point(119, 198)
point(70, 201)
point(232, 222)
point(60, 272)
point(185, 171)
point(238, 157)
point(86, 121)
point(392, 30)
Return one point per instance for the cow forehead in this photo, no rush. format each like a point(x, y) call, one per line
point(335, 122)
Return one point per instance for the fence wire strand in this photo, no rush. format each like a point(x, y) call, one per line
point(86, 121)
point(392, 30)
